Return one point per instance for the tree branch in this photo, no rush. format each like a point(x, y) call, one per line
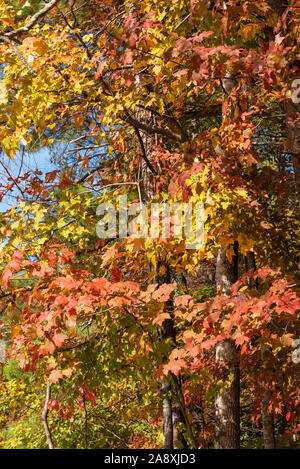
point(33, 20)
point(152, 129)
point(144, 156)
point(45, 415)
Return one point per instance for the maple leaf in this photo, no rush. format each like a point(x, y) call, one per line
point(68, 283)
point(46, 349)
point(59, 339)
point(182, 300)
point(6, 276)
point(160, 318)
point(116, 275)
point(60, 300)
point(240, 338)
point(211, 318)
point(55, 376)
point(119, 301)
point(207, 344)
point(12, 267)
point(99, 285)
point(163, 292)
point(67, 372)
point(176, 362)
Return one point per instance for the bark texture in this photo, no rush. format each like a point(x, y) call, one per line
point(226, 272)
point(227, 406)
point(179, 441)
point(167, 420)
point(267, 417)
point(267, 423)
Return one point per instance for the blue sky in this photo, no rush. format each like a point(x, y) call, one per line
point(39, 160)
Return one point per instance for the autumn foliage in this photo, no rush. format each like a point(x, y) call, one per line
point(170, 101)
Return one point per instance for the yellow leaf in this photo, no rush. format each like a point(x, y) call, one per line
point(35, 44)
point(248, 31)
point(16, 331)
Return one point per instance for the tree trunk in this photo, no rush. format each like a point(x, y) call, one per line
point(293, 131)
point(45, 417)
point(167, 420)
point(147, 176)
point(267, 418)
point(172, 407)
point(170, 403)
point(226, 272)
point(179, 441)
point(292, 112)
point(227, 404)
point(267, 423)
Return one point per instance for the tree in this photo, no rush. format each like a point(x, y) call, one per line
point(161, 102)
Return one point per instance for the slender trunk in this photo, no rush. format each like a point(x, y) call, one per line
point(170, 403)
point(267, 423)
point(267, 417)
point(251, 265)
point(293, 130)
point(180, 417)
point(167, 393)
point(226, 272)
point(85, 422)
point(227, 404)
point(251, 260)
point(292, 111)
point(45, 417)
point(177, 418)
point(147, 176)
point(167, 420)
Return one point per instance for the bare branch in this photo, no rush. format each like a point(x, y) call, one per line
point(33, 20)
point(144, 156)
point(45, 415)
point(153, 129)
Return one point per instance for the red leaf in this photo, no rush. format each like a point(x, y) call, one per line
point(59, 339)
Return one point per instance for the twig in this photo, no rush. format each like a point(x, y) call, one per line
point(181, 22)
point(23, 60)
point(85, 421)
point(152, 129)
point(45, 415)
point(144, 156)
point(33, 20)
